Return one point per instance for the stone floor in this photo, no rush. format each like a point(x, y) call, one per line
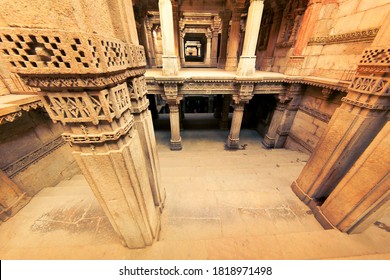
point(220, 205)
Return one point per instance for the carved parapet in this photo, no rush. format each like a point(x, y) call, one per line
point(42, 51)
point(372, 80)
point(244, 95)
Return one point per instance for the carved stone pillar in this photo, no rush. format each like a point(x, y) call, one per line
point(82, 78)
point(12, 199)
point(170, 65)
point(182, 51)
point(269, 139)
point(225, 18)
point(209, 36)
point(224, 123)
point(233, 43)
point(176, 30)
point(364, 192)
point(214, 49)
point(244, 95)
point(352, 127)
point(173, 100)
point(149, 37)
point(247, 65)
point(273, 38)
point(307, 25)
point(294, 94)
point(144, 124)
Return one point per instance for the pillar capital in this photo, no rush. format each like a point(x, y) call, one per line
point(244, 95)
point(171, 94)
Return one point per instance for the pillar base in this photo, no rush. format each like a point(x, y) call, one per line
point(176, 145)
point(268, 142)
point(170, 67)
point(222, 63)
point(324, 222)
point(246, 66)
point(233, 144)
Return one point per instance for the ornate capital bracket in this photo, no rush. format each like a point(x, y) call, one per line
point(326, 92)
point(244, 94)
point(171, 95)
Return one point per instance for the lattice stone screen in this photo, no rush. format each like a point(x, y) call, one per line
point(38, 51)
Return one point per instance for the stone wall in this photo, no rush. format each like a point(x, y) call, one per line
point(343, 29)
point(33, 153)
point(311, 119)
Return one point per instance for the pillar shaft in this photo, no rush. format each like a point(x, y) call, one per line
point(247, 63)
point(306, 29)
point(173, 99)
point(214, 49)
point(110, 155)
point(144, 125)
point(233, 43)
point(364, 192)
point(294, 93)
point(150, 41)
point(170, 66)
point(234, 135)
point(224, 123)
point(174, 117)
point(244, 95)
point(225, 17)
point(12, 198)
point(269, 139)
point(208, 49)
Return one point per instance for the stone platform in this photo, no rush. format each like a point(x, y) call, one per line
point(220, 205)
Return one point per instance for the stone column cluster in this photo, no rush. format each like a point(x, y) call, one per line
point(95, 87)
point(283, 117)
point(331, 182)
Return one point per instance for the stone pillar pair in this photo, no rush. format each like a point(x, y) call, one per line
point(244, 95)
point(283, 117)
point(345, 181)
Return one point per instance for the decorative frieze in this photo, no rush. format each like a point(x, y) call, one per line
point(367, 35)
point(70, 107)
point(371, 85)
point(208, 88)
point(366, 105)
point(315, 113)
point(86, 81)
point(10, 117)
point(89, 138)
point(23, 163)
